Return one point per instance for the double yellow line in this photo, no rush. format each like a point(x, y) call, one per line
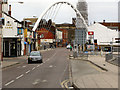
point(64, 84)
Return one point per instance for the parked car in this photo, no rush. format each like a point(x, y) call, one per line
point(35, 56)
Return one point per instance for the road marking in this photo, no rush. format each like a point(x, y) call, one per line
point(36, 82)
point(28, 71)
point(51, 66)
point(44, 81)
point(33, 68)
point(62, 83)
point(24, 66)
point(66, 84)
point(19, 76)
point(38, 65)
point(9, 83)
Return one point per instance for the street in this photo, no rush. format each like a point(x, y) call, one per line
point(52, 73)
point(49, 74)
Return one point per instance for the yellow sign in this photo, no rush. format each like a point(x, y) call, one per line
point(25, 33)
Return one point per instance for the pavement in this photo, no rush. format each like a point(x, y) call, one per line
point(10, 61)
point(107, 78)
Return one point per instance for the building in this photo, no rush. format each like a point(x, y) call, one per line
point(68, 32)
point(111, 25)
point(83, 9)
point(80, 32)
point(12, 32)
point(119, 12)
point(30, 37)
point(103, 36)
point(59, 37)
point(0, 29)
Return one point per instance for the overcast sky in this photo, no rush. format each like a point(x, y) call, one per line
point(98, 10)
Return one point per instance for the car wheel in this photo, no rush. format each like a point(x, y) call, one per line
point(40, 61)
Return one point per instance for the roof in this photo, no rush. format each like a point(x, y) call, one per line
point(11, 17)
point(103, 34)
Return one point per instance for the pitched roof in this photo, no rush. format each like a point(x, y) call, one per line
point(11, 17)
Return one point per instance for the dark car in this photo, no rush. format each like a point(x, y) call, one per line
point(35, 56)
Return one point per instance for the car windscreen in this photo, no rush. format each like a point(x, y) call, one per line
point(35, 54)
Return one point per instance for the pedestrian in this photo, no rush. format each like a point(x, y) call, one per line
point(70, 48)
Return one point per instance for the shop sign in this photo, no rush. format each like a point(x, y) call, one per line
point(20, 31)
point(25, 33)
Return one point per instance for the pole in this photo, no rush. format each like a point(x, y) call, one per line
point(93, 44)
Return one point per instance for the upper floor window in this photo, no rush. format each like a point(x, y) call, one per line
point(5, 0)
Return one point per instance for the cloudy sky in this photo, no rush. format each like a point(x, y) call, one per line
point(98, 10)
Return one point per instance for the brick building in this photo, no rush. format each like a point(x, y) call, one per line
point(111, 25)
point(68, 32)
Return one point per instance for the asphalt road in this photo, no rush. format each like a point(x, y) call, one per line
point(52, 73)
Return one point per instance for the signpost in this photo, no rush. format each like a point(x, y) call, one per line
point(91, 36)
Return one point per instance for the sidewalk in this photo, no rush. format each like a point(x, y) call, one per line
point(10, 61)
point(106, 79)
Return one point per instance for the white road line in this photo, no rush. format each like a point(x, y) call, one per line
point(24, 66)
point(19, 76)
point(28, 71)
point(9, 83)
point(33, 68)
point(38, 65)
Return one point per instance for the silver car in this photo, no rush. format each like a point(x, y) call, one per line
point(35, 56)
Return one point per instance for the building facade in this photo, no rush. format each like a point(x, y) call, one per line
point(0, 29)
point(80, 32)
point(12, 33)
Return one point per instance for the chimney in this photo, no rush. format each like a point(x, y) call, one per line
point(9, 12)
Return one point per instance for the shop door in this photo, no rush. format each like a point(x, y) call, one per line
point(6, 49)
point(18, 49)
point(13, 49)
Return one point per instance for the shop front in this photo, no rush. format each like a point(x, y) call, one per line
point(11, 47)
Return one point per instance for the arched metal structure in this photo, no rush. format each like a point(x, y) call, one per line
point(75, 9)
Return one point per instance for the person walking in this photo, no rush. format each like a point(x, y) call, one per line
point(70, 48)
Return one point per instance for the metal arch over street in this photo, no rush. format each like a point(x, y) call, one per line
point(75, 9)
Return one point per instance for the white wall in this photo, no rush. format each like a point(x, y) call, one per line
point(10, 29)
point(58, 34)
point(103, 34)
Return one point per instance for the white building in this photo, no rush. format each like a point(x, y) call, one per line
point(13, 43)
point(58, 34)
point(103, 35)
